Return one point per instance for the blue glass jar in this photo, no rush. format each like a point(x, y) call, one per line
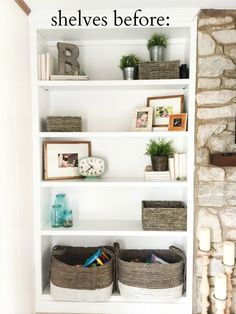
point(57, 217)
point(61, 200)
point(68, 218)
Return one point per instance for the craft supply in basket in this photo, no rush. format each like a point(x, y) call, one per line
point(71, 281)
point(164, 215)
point(159, 70)
point(64, 124)
point(152, 281)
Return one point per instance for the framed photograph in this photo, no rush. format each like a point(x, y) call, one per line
point(142, 119)
point(164, 106)
point(61, 159)
point(178, 122)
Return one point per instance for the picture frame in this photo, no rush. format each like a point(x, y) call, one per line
point(178, 122)
point(61, 158)
point(142, 119)
point(163, 106)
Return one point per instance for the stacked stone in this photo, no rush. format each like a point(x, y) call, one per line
point(215, 125)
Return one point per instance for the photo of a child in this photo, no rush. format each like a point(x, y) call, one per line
point(142, 119)
point(67, 160)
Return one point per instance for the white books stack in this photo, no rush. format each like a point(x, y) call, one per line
point(177, 166)
point(157, 175)
point(45, 66)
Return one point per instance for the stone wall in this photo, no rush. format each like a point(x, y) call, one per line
point(215, 122)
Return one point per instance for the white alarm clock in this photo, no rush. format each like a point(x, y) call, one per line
point(91, 167)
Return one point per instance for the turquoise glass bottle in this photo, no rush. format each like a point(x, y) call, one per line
point(57, 218)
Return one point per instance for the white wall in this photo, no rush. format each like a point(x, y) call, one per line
point(16, 232)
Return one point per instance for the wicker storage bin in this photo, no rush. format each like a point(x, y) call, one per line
point(64, 124)
point(159, 70)
point(164, 215)
point(71, 281)
point(157, 282)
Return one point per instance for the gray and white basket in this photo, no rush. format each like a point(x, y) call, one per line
point(71, 281)
point(156, 282)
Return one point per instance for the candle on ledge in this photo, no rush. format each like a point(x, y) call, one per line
point(205, 239)
point(220, 287)
point(228, 253)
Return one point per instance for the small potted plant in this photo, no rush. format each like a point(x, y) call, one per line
point(160, 151)
point(129, 66)
point(156, 46)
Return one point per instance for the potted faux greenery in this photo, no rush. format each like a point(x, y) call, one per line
point(129, 66)
point(156, 46)
point(160, 151)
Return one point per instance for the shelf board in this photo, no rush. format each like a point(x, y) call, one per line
point(108, 228)
point(112, 182)
point(115, 84)
point(172, 134)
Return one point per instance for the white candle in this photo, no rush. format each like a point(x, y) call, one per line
point(220, 287)
point(228, 253)
point(205, 239)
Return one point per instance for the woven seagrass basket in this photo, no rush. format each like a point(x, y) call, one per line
point(71, 281)
point(159, 70)
point(150, 281)
point(64, 124)
point(164, 215)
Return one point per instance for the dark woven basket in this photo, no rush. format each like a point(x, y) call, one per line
point(164, 215)
point(64, 124)
point(150, 276)
point(67, 269)
point(159, 70)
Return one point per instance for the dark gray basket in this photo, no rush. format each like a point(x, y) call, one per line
point(164, 215)
point(64, 124)
point(150, 276)
point(159, 70)
point(67, 270)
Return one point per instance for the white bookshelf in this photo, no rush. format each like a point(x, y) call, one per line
point(108, 209)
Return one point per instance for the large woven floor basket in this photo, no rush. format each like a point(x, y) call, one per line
point(164, 215)
point(71, 281)
point(156, 282)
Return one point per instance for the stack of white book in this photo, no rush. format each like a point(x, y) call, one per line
point(177, 170)
point(177, 166)
point(157, 175)
point(45, 66)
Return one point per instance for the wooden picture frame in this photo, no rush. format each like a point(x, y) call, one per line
point(61, 158)
point(178, 122)
point(142, 119)
point(163, 106)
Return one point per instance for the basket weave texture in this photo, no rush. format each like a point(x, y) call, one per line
point(150, 276)
point(164, 215)
point(64, 124)
point(153, 70)
point(67, 269)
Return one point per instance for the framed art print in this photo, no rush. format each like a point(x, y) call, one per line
point(163, 107)
point(142, 119)
point(61, 159)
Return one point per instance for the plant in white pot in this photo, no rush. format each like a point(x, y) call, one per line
point(156, 46)
point(129, 66)
point(160, 151)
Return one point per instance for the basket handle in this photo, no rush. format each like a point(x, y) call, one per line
point(116, 250)
point(59, 250)
point(181, 253)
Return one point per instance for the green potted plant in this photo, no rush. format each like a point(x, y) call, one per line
point(129, 66)
point(156, 46)
point(160, 151)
